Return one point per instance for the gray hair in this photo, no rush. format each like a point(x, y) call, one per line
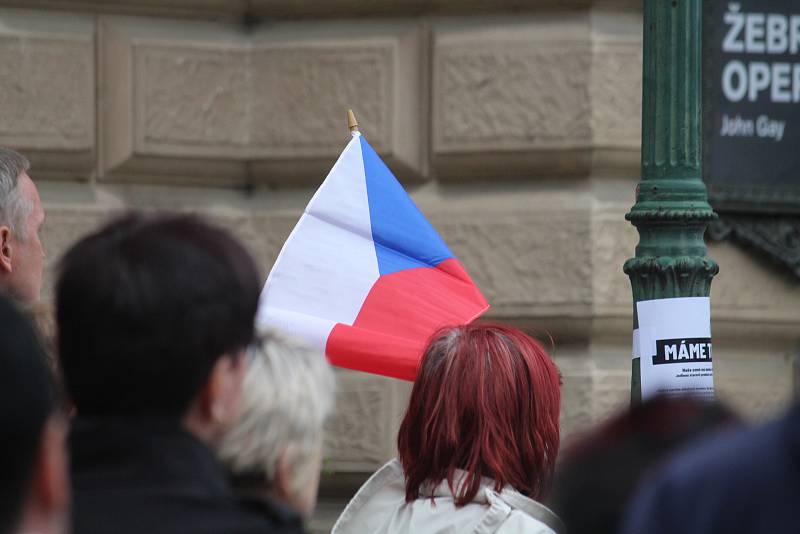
point(287, 394)
point(14, 208)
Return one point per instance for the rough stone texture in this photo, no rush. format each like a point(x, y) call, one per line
point(306, 76)
point(751, 290)
point(169, 8)
point(173, 101)
point(214, 104)
point(616, 90)
point(350, 8)
point(576, 391)
point(270, 9)
point(616, 80)
point(44, 114)
point(47, 91)
point(510, 88)
point(612, 389)
point(64, 226)
point(361, 433)
point(193, 99)
point(757, 382)
point(525, 262)
point(596, 384)
point(613, 241)
point(304, 90)
point(488, 98)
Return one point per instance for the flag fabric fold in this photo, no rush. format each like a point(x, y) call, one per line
point(364, 276)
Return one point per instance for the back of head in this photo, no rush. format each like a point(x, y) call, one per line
point(598, 474)
point(12, 205)
point(486, 400)
point(145, 307)
point(287, 394)
point(21, 217)
point(26, 403)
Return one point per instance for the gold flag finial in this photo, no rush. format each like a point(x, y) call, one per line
point(352, 123)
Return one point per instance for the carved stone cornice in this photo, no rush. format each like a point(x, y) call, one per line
point(775, 236)
point(250, 10)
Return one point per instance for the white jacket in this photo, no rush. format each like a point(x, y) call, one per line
point(380, 507)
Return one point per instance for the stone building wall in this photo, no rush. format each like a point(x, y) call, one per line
point(514, 124)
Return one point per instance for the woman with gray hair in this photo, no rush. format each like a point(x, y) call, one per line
point(274, 452)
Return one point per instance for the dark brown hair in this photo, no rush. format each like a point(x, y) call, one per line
point(145, 307)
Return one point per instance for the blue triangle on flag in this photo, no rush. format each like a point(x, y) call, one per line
point(403, 238)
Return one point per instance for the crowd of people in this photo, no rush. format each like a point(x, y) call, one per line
point(168, 410)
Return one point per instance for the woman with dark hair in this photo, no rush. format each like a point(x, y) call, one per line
point(477, 445)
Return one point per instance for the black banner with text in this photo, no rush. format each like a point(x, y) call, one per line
point(752, 84)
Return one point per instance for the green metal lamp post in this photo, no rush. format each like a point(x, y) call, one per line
point(671, 211)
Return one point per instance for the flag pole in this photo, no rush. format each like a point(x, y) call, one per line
point(352, 123)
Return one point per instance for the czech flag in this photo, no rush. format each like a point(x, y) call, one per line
point(364, 276)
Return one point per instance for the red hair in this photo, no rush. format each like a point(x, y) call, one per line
point(486, 400)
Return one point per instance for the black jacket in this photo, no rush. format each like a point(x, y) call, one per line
point(150, 476)
point(737, 482)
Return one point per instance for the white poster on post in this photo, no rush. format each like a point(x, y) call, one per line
point(673, 342)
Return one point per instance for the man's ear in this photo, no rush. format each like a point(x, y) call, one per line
point(6, 251)
point(282, 481)
point(225, 386)
point(215, 407)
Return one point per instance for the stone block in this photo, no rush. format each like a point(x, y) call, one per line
point(64, 226)
point(192, 9)
point(576, 394)
point(758, 383)
point(305, 77)
point(528, 264)
point(174, 101)
point(752, 298)
point(611, 368)
point(208, 103)
point(511, 97)
point(613, 242)
point(351, 8)
point(295, 9)
point(47, 91)
point(360, 435)
point(616, 89)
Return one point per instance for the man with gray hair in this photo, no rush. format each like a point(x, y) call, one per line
point(274, 452)
point(21, 220)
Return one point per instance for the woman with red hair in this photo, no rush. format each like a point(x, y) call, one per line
point(477, 445)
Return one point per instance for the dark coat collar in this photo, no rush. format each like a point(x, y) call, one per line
point(146, 451)
point(272, 509)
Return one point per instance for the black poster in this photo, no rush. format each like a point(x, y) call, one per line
point(752, 101)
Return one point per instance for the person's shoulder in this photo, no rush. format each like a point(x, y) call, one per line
point(234, 517)
point(278, 517)
point(709, 479)
point(518, 521)
point(381, 495)
point(159, 514)
point(728, 454)
point(524, 510)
